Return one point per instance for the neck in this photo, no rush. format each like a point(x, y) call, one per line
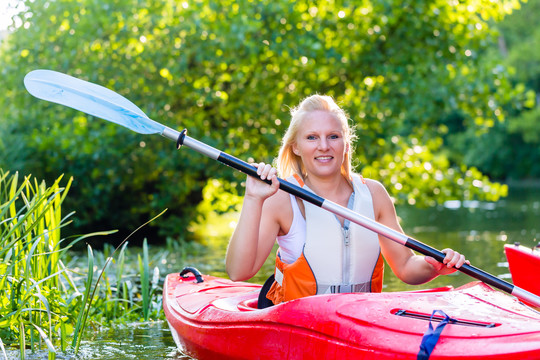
point(334, 188)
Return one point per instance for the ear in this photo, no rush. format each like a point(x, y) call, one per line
point(347, 148)
point(295, 150)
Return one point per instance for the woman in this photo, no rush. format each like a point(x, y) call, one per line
point(320, 252)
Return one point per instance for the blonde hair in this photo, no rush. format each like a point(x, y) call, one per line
point(288, 163)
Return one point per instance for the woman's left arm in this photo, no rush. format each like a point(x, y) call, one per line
point(409, 267)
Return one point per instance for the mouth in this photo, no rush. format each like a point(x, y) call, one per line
point(324, 158)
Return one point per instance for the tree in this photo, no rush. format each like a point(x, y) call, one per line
point(228, 71)
point(509, 150)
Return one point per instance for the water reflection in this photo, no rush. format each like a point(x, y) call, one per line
point(477, 229)
point(149, 341)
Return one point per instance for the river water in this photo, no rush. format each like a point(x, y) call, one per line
point(479, 230)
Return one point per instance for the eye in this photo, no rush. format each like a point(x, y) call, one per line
point(334, 136)
point(311, 137)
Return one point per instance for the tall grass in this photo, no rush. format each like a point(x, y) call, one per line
point(38, 296)
point(112, 299)
point(46, 304)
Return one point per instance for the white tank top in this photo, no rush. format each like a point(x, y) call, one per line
point(292, 244)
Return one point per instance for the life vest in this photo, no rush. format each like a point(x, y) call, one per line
point(333, 260)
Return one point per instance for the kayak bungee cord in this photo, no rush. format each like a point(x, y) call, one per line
point(104, 103)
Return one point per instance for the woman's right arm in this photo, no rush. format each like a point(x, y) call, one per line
point(257, 227)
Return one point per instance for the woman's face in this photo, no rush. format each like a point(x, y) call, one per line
point(320, 144)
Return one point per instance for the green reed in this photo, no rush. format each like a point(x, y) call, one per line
point(44, 303)
point(145, 282)
point(33, 279)
point(104, 301)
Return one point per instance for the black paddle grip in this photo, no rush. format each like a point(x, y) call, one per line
point(465, 268)
point(286, 186)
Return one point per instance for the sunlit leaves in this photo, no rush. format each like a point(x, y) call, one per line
point(228, 70)
point(418, 174)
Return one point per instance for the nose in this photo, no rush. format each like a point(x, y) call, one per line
point(323, 144)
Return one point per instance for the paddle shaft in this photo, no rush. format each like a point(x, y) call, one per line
point(182, 139)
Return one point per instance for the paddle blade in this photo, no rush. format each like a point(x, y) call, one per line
point(90, 98)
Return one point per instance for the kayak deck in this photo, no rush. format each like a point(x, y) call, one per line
point(218, 318)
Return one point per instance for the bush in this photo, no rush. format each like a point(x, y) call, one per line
point(228, 72)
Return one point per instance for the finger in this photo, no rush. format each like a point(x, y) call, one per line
point(461, 261)
point(260, 168)
point(450, 259)
point(263, 170)
point(457, 260)
point(448, 256)
point(266, 171)
point(275, 182)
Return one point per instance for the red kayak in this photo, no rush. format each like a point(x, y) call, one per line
point(524, 264)
point(218, 319)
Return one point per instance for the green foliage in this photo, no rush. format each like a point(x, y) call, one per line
point(523, 55)
point(510, 149)
point(228, 71)
point(423, 161)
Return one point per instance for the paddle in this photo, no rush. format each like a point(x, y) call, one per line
point(106, 104)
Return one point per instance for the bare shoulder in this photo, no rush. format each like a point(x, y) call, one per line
point(382, 202)
point(376, 188)
point(395, 254)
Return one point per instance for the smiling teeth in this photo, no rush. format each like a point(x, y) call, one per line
point(324, 158)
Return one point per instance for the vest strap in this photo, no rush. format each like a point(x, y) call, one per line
point(340, 289)
point(278, 276)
